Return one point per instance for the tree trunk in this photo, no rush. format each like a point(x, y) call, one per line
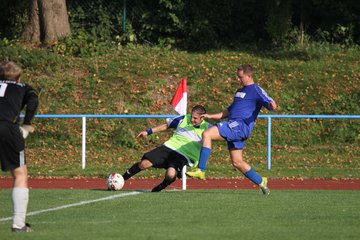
point(31, 32)
point(48, 22)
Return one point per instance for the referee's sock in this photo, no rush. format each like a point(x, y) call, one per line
point(253, 176)
point(131, 171)
point(20, 198)
point(204, 157)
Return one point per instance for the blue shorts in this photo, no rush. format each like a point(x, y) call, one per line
point(234, 132)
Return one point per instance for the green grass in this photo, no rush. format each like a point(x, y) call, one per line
point(314, 79)
point(192, 214)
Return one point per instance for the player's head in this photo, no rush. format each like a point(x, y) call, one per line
point(196, 113)
point(10, 71)
point(244, 74)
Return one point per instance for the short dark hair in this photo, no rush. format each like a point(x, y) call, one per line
point(246, 68)
point(199, 109)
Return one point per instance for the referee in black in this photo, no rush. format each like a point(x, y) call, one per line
point(14, 96)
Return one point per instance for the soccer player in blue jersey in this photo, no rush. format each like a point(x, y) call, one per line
point(241, 115)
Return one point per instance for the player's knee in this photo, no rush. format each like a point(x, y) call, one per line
point(171, 175)
point(237, 164)
point(20, 177)
point(241, 165)
point(206, 135)
point(145, 164)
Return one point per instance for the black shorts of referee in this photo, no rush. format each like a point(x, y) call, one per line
point(12, 146)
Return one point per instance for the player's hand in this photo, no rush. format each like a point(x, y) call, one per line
point(205, 115)
point(273, 105)
point(142, 134)
point(25, 130)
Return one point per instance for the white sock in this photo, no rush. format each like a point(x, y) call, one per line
point(20, 198)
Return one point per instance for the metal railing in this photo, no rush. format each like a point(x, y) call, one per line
point(268, 117)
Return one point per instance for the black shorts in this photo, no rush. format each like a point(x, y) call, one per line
point(12, 147)
point(164, 157)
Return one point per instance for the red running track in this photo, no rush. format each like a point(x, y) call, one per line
point(143, 184)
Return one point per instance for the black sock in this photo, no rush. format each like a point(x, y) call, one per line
point(162, 185)
point(131, 171)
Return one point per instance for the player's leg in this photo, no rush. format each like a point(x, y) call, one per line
point(13, 159)
point(208, 136)
point(136, 168)
point(239, 163)
point(170, 177)
point(154, 158)
point(173, 163)
point(20, 199)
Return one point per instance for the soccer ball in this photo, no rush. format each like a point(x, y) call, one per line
point(115, 182)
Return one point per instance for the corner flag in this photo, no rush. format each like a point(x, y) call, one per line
point(179, 101)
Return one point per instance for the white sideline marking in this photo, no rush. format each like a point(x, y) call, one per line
point(75, 204)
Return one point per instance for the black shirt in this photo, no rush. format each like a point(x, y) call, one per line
point(13, 98)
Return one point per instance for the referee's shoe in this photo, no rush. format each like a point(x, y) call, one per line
point(26, 228)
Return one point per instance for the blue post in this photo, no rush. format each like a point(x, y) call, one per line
point(269, 143)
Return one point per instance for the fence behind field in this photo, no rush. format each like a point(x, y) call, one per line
point(269, 118)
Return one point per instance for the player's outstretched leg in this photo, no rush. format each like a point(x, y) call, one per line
point(131, 171)
point(170, 177)
point(165, 183)
point(136, 168)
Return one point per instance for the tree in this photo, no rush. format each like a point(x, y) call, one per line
point(278, 24)
point(48, 21)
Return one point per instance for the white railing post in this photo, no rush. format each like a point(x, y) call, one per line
point(183, 176)
point(269, 144)
point(83, 152)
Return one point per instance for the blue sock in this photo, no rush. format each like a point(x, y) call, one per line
point(204, 157)
point(253, 176)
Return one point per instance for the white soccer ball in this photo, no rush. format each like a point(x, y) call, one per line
point(115, 182)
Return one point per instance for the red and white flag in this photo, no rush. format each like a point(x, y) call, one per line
point(179, 101)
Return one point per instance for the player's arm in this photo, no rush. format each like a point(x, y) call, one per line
point(150, 131)
point(221, 115)
point(170, 123)
point(272, 105)
point(31, 102)
point(266, 100)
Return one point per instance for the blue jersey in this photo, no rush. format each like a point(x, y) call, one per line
point(247, 104)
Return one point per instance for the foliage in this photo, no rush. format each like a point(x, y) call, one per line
point(13, 17)
point(136, 79)
point(197, 25)
point(81, 44)
point(278, 24)
point(337, 34)
point(100, 19)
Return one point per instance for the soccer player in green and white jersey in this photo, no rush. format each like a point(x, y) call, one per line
point(183, 148)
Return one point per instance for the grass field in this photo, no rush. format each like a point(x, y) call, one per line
point(201, 214)
point(141, 79)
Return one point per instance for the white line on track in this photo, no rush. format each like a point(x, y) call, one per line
point(75, 204)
